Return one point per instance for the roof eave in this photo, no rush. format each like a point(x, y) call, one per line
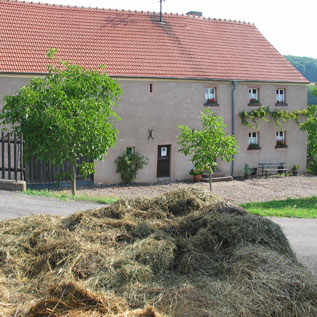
point(174, 78)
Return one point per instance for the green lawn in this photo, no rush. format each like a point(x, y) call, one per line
point(296, 208)
point(63, 196)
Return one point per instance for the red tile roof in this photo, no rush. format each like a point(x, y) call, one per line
point(136, 44)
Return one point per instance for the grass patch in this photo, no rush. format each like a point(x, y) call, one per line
point(64, 196)
point(291, 207)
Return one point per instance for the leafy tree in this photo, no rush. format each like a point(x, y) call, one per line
point(310, 125)
point(312, 98)
point(66, 115)
point(208, 144)
point(129, 164)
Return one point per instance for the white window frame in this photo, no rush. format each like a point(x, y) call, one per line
point(280, 95)
point(210, 93)
point(253, 93)
point(280, 136)
point(254, 138)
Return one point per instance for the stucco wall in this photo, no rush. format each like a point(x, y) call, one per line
point(179, 102)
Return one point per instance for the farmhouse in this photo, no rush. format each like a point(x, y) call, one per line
point(169, 71)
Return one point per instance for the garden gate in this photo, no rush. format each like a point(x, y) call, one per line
point(11, 157)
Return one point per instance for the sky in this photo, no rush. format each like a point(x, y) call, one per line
point(288, 24)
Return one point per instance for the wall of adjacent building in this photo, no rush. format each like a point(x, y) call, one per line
point(295, 153)
point(10, 84)
point(172, 103)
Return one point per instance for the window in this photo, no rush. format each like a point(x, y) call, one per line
point(130, 150)
point(253, 96)
point(281, 139)
point(210, 96)
point(253, 141)
point(280, 96)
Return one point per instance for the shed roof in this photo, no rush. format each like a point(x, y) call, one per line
point(137, 44)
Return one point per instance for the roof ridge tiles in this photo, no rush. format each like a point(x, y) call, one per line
point(127, 10)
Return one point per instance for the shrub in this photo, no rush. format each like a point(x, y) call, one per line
point(129, 164)
point(247, 171)
point(312, 163)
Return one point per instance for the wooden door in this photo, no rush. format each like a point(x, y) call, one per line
point(163, 161)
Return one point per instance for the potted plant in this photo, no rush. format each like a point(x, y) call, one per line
point(196, 174)
point(295, 169)
point(247, 171)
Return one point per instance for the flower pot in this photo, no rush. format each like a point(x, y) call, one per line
point(295, 172)
point(197, 178)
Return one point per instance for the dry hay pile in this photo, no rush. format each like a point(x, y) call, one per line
point(183, 254)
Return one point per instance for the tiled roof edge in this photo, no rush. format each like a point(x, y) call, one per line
point(129, 11)
point(177, 78)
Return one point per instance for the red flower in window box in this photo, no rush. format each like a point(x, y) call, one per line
point(281, 144)
point(253, 100)
point(211, 100)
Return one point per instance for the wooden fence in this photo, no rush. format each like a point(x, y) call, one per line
point(11, 157)
point(35, 171)
point(39, 172)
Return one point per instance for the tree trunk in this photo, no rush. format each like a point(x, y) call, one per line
point(210, 181)
point(74, 180)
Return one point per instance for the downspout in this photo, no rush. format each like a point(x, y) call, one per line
point(233, 131)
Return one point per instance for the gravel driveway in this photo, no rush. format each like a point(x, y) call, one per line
point(237, 192)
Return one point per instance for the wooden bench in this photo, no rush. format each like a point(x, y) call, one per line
point(265, 168)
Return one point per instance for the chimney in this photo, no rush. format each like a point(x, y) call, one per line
point(195, 13)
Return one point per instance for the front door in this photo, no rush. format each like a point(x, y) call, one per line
point(163, 161)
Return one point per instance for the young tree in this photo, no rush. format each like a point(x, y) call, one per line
point(66, 115)
point(208, 144)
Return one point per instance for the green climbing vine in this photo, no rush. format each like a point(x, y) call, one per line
point(263, 113)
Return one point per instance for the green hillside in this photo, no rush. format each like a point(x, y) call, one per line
point(308, 67)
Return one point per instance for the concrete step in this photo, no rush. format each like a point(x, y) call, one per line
point(163, 180)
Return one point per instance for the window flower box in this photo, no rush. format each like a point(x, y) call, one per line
point(281, 104)
point(254, 146)
point(281, 144)
point(211, 102)
point(254, 102)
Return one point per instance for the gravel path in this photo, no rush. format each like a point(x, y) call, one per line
point(237, 192)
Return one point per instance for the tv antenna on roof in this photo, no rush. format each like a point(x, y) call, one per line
point(161, 1)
